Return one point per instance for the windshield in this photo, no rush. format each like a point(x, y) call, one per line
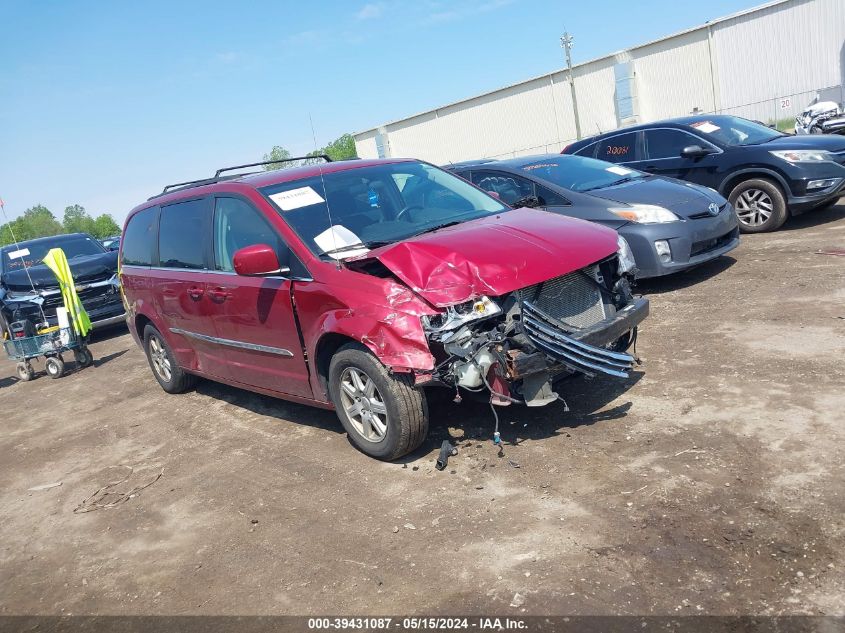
point(29, 254)
point(731, 130)
point(376, 205)
point(578, 173)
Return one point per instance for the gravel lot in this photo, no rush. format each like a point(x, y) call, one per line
point(711, 482)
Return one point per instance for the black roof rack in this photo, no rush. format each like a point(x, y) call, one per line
point(217, 177)
point(325, 157)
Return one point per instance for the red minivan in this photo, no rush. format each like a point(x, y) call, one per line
point(355, 285)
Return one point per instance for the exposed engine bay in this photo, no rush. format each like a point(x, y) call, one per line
point(515, 346)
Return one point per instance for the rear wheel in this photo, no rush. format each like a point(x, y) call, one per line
point(171, 377)
point(83, 357)
point(759, 204)
point(383, 414)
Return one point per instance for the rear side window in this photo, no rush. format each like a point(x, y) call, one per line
point(180, 235)
point(140, 238)
point(618, 149)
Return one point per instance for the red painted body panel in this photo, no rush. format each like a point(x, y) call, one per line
point(492, 255)
point(495, 255)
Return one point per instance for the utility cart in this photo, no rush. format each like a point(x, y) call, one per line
point(51, 345)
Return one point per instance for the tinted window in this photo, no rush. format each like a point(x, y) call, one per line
point(589, 150)
point(346, 212)
point(509, 187)
point(618, 149)
point(579, 173)
point(732, 130)
point(139, 239)
point(29, 254)
point(549, 198)
point(236, 225)
point(667, 143)
point(180, 235)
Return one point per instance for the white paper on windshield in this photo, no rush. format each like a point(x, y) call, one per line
point(15, 254)
point(296, 198)
point(619, 171)
point(706, 127)
point(337, 236)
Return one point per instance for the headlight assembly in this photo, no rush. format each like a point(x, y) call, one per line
point(457, 315)
point(803, 156)
point(625, 255)
point(646, 214)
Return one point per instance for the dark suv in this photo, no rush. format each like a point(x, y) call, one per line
point(29, 291)
point(356, 284)
point(765, 174)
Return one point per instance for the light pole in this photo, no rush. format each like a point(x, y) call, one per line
point(566, 43)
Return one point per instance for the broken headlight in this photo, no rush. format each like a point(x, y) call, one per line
point(625, 255)
point(456, 316)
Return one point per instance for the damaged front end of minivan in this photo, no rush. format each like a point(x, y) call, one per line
point(518, 344)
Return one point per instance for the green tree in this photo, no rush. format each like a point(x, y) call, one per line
point(105, 226)
point(77, 220)
point(342, 148)
point(35, 222)
point(277, 153)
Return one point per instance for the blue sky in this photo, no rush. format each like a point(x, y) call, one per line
point(103, 103)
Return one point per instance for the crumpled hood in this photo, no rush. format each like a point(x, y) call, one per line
point(84, 269)
point(495, 255)
point(682, 198)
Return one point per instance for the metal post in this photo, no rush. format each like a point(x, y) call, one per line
point(566, 43)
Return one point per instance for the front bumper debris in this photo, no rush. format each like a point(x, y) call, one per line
point(584, 350)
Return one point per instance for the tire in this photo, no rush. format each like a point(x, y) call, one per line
point(55, 367)
point(83, 357)
point(759, 204)
point(25, 372)
point(393, 418)
point(171, 377)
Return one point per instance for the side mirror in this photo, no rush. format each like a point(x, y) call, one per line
point(258, 260)
point(528, 201)
point(695, 151)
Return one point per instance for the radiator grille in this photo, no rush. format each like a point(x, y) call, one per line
point(574, 299)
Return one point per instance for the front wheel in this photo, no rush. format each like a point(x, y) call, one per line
point(383, 414)
point(55, 367)
point(25, 371)
point(759, 204)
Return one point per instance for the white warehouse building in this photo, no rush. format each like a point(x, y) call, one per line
point(766, 63)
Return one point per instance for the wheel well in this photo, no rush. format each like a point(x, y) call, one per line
point(326, 348)
point(732, 182)
point(141, 322)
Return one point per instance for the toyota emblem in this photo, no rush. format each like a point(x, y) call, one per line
point(713, 208)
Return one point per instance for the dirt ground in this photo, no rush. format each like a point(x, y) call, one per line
point(710, 482)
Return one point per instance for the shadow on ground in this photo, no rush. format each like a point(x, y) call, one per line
point(472, 419)
point(813, 219)
point(684, 279)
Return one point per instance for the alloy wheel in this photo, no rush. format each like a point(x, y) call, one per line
point(363, 404)
point(158, 356)
point(754, 207)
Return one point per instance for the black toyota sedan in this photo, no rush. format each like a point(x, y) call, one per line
point(765, 174)
point(669, 225)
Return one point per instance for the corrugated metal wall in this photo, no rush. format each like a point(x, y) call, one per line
point(742, 65)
